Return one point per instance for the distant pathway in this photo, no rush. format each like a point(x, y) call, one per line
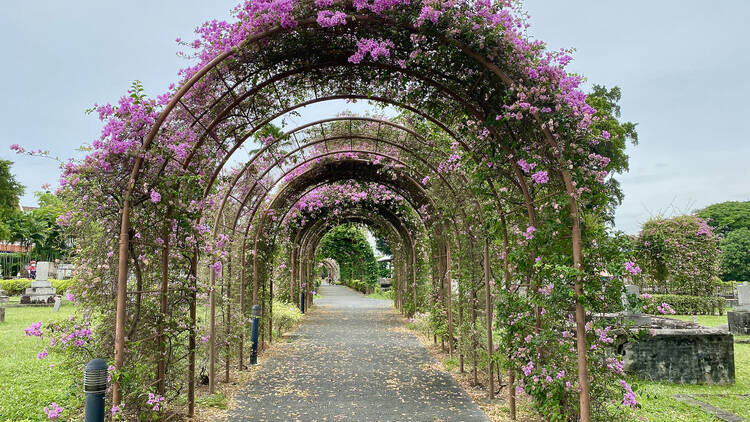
point(352, 361)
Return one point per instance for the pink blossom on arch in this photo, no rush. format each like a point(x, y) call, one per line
point(540, 177)
point(327, 18)
point(155, 197)
point(632, 268)
point(217, 267)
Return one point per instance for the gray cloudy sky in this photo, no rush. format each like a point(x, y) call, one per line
point(682, 67)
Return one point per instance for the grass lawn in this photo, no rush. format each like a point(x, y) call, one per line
point(704, 320)
point(28, 384)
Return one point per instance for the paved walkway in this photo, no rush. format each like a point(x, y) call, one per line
point(352, 361)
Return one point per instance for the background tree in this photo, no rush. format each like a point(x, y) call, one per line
point(382, 245)
point(619, 133)
point(38, 230)
point(10, 191)
point(725, 217)
point(735, 255)
point(348, 245)
point(679, 255)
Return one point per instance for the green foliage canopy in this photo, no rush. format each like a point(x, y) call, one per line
point(735, 255)
point(348, 245)
point(725, 217)
point(679, 255)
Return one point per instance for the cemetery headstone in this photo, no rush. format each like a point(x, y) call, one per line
point(41, 290)
point(739, 317)
point(58, 301)
point(3, 297)
point(743, 297)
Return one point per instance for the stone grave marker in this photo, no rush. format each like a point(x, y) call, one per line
point(41, 290)
point(743, 297)
point(58, 301)
point(739, 317)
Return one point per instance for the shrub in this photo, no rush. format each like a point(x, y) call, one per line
point(62, 286)
point(420, 322)
point(15, 287)
point(686, 305)
point(680, 255)
point(357, 285)
point(285, 316)
point(379, 293)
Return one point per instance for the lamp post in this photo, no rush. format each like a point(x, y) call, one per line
point(95, 385)
point(255, 314)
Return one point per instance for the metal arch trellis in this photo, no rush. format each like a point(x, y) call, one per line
point(123, 262)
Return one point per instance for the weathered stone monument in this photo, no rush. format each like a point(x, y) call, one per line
point(41, 290)
point(58, 302)
point(683, 356)
point(739, 317)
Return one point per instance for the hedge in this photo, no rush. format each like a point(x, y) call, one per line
point(285, 316)
point(687, 305)
point(17, 286)
point(358, 285)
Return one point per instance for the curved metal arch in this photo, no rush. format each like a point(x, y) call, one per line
point(123, 239)
point(278, 160)
point(242, 204)
point(384, 100)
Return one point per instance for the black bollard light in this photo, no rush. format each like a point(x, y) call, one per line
point(95, 385)
point(302, 302)
point(255, 314)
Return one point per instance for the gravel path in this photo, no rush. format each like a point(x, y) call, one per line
point(352, 360)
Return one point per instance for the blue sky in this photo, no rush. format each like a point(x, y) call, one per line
point(682, 67)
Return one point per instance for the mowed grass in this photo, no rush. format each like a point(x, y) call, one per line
point(659, 406)
point(28, 384)
point(704, 320)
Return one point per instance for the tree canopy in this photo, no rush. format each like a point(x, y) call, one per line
point(725, 217)
point(735, 255)
point(10, 191)
point(348, 245)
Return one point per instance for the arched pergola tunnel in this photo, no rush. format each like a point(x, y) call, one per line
point(480, 179)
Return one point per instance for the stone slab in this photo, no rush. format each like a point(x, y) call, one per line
point(37, 284)
point(58, 302)
point(709, 408)
point(42, 271)
point(743, 294)
point(739, 322)
point(683, 356)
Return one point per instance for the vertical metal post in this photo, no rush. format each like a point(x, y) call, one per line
point(94, 386)
point(212, 333)
point(488, 312)
point(414, 273)
point(255, 313)
point(242, 307)
point(228, 298)
point(302, 301)
point(191, 344)
point(449, 294)
point(162, 362)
